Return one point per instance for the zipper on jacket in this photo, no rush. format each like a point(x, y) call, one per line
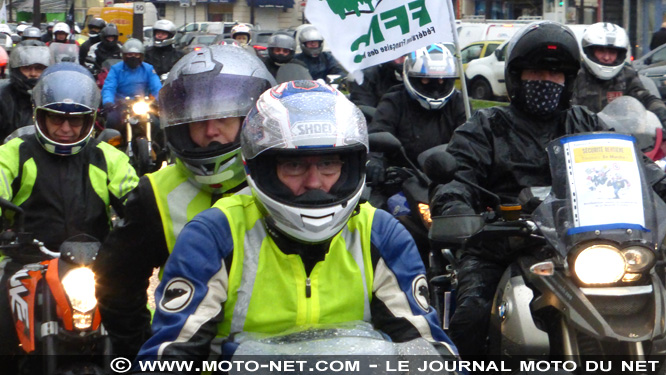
point(308, 289)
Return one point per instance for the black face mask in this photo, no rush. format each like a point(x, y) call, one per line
point(132, 62)
point(541, 98)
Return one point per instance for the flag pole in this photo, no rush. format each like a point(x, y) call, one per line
point(461, 73)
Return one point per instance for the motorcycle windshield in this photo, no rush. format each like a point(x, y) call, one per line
point(64, 52)
point(627, 115)
point(599, 192)
point(345, 338)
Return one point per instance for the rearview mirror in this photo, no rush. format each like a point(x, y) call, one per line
point(384, 142)
point(440, 167)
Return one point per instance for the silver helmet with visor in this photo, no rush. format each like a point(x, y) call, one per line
point(215, 82)
point(65, 92)
point(305, 119)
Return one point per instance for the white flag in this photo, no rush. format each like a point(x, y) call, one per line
point(363, 33)
point(3, 13)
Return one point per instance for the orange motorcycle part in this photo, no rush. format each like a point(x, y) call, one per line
point(63, 307)
point(25, 330)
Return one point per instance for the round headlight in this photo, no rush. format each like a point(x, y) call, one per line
point(79, 285)
point(140, 108)
point(638, 258)
point(599, 264)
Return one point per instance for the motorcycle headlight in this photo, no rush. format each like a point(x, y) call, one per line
point(140, 108)
point(599, 264)
point(638, 258)
point(79, 285)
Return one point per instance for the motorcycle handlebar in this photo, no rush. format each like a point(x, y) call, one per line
point(20, 215)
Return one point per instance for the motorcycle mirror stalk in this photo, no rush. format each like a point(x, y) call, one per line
point(441, 168)
point(387, 143)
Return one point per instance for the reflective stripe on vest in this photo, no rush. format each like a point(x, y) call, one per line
point(267, 288)
point(178, 201)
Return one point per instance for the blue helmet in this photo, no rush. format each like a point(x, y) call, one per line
point(65, 89)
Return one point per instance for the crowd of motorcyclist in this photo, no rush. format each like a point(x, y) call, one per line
point(249, 190)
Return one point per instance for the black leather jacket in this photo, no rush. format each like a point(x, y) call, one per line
point(417, 128)
point(15, 108)
point(162, 58)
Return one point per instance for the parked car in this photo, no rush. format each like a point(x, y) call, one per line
point(479, 49)
point(194, 41)
point(260, 41)
point(653, 66)
point(470, 32)
point(485, 76)
point(201, 27)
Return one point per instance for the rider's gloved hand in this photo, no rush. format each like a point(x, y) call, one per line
point(375, 171)
point(108, 107)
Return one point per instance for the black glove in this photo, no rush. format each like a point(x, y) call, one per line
point(456, 208)
point(375, 172)
point(108, 107)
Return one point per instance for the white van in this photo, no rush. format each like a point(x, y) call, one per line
point(469, 32)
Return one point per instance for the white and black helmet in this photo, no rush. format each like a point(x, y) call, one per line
point(169, 28)
point(305, 118)
point(214, 82)
point(62, 27)
point(311, 34)
point(21, 28)
point(607, 35)
point(433, 62)
point(242, 29)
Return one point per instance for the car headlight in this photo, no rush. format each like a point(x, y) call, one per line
point(140, 108)
point(79, 285)
point(599, 264)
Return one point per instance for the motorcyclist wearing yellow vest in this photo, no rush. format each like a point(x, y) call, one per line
point(64, 179)
point(302, 250)
point(202, 106)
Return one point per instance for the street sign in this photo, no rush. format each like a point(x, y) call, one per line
point(139, 7)
point(303, 3)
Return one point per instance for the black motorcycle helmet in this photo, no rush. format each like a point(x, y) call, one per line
point(542, 45)
point(97, 23)
point(109, 30)
point(281, 41)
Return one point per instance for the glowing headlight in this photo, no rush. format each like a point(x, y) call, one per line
point(79, 285)
point(424, 210)
point(638, 258)
point(140, 108)
point(599, 264)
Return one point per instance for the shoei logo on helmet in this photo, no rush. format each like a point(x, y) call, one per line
point(312, 128)
point(177, 295)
